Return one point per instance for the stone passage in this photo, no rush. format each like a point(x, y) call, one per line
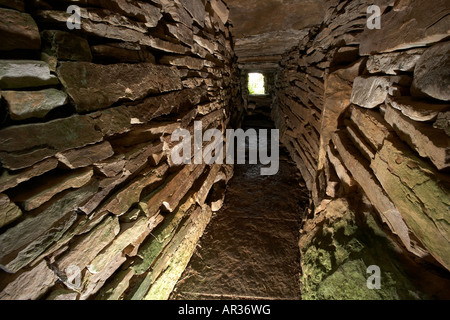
point(93, 207)
point(250, 248)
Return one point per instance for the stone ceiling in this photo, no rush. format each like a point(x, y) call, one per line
point(265, 29)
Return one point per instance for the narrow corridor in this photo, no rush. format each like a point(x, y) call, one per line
point(250, 248)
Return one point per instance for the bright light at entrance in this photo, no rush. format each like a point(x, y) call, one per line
point(256, 83)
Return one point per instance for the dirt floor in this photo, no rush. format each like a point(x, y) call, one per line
point(250, 248)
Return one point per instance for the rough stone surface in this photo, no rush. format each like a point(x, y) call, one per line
point(85, 169)
point(394, 63)
point(24, 242)
point(17, 74)
point(23, 146)
point(370, 92)
point(361, 172)
point(416, 109)
point(119, 82)
point(426, 140)
point(31, 200)
point(336, 253)
point(66, 46)
point(33, 104)
point(338, 91)
point(422, 201)
point(119, 52)
point(129, 195)
point(411, 24)
point(443, 122)
point(132, 235)
point(197, 10)
point(191, 63)
point(221, 10)
point(371, 124)
point(240, 256)
point(80, 158)
point(431, 76)
point(30, 285)
point(139, 10)
point(8, 180)
point(19, 31)
point(13, 4)
point(87, 247)
point(8, 211)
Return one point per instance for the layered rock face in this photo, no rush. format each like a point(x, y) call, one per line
point(364, 113)
point(91, 206)
point(265, 29)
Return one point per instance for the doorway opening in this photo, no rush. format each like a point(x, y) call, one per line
point(256, 84)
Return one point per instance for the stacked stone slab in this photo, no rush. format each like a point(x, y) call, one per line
point(91, 205)
point(364, 113)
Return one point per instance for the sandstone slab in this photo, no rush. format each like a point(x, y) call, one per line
point(395, 62)
point(443, 122)
point(30, 285)
point(182, 33)
point(431, 76)
point(122, 52)
point(33, 104)
point(120, 82)
point(372, 91)
point(371, 124)
point(80, 158)
point(17, 74)
point(8, 180)
point(126, 166)
point(167, 271)
point(122, 201)
point(411, 24)
point(66, 46)
point(138, 10)
point(177, 11)
point(169, 194)
point(426, 140)
point(19, 31)
point(85, 248)
point(111, 167)
point(8, 211)
point(188, 62)
point(417, 109)
point(23, 146)
point(163, 234)
point(337, 93)
point(13, 4)
point(131, 236)
point(197, 10)
point(24, 242)
point(32, 199)
point(422, 200)
point(221, 10)
point(362, 173)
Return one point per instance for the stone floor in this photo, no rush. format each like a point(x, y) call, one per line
point(250, 248)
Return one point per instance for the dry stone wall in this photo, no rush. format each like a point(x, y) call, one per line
point(91, 207)
point(364, 113)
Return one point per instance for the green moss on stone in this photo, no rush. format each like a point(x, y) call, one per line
point(334, 266)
